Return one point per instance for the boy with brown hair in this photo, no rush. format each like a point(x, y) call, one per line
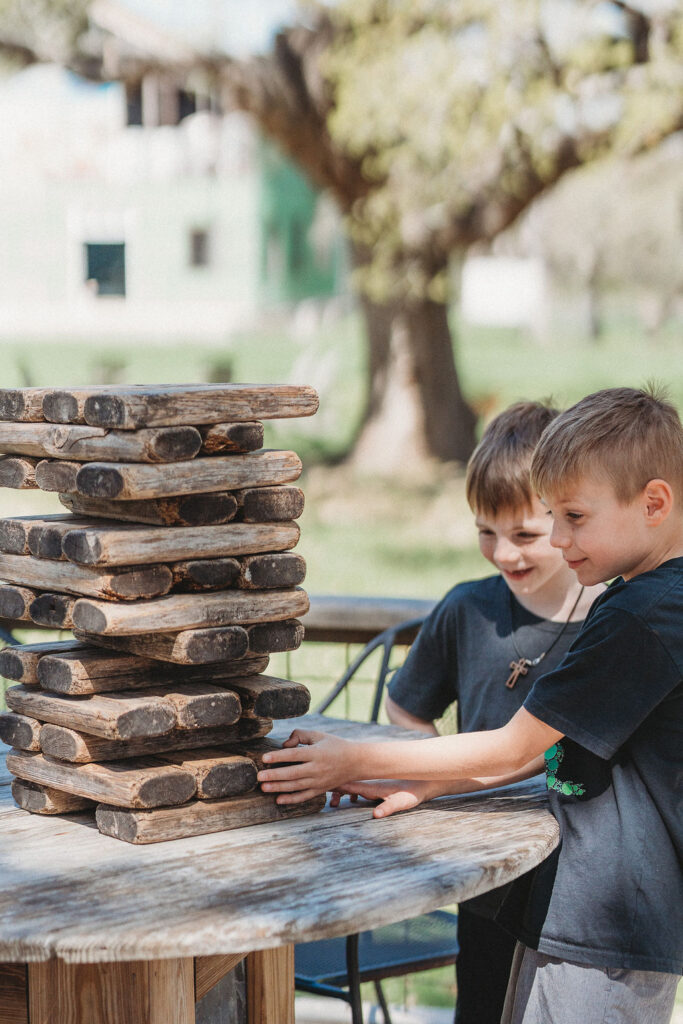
point(485, 644)
point(599, 922)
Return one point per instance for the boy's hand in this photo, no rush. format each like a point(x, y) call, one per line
point(396, 795)
point(324, 762)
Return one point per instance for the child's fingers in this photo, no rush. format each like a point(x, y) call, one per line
point(298, 798)
point(289, 785)
point(288, 755)
point(292, 771)
point(305, 736)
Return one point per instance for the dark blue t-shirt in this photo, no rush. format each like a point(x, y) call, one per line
point(463, 653)
point(612, 893)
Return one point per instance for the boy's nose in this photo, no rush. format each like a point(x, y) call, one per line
point(559, 538)
point(505, 551)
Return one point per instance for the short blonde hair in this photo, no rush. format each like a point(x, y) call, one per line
point(498, 469)
point(625, 435)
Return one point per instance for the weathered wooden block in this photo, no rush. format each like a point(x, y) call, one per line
point(20, 662)
point(53, 475)
point(94, 670)
point(275, 637)
point(37, 799)
point(140, 782)
point(19, 731)
point(25, 404)
point(82, 444)
point(284, 569)
point(15, 602)
point(199, 817)
point(53, 610)
point(18, 472)
point(114, 716)
point(205, 573)
point(183, 510)
point(69, 744)
point(185, 647)
point(231, 437)
point(216, 774)
point(44, 534)
point(269, 504)
point(131, 583)
point(270, 697)
point(126, 480)
point(188, 611)
point(139, 545)
point(131, 408)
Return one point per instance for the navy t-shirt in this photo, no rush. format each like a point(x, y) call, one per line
point(612, 893)
point(463, 653)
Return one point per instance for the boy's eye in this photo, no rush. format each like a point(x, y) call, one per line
point(574, 516)
point(527, 536)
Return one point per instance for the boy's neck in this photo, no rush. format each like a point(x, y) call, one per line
point(558, 603)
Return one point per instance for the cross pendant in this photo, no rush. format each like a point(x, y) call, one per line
point(519, 668)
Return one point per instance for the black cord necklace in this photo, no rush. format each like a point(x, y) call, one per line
point(522, 665)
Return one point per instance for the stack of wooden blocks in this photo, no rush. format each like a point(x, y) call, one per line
point(173, 568)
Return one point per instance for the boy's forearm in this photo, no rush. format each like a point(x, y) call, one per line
point(504, 752)
point(458, 786)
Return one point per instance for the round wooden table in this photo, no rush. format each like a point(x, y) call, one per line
point(94, 930)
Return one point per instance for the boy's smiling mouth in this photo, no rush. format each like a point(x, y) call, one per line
point(516, 574)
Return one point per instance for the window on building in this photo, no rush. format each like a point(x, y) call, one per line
point(105, 267)
point(199, 247)
point(133, 103)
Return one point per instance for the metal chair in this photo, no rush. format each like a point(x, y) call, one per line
point(338, 967)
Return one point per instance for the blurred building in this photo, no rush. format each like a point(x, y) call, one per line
point(138, 208)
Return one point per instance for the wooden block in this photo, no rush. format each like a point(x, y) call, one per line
point(14, 994)
point(198, 817)
point(53, 475)
point(216, 774)
point(93, 670)
point(188, 611)
point(231, 437)
point(66, 405)
point(153, 991)
point(53, 610)
point(185, 510)
point(129, 409)
point(138, 782)
point(126, 480)
point(24, 404)
point(21, 662)
point(15, 602)
point(284, 569)
point(130, 583)
point(270, 697)
point(186, 647)
point(18, 472)
point(274, 637)
point(71, 745)
point(83, 444)
point(14, 531)
point(205, 573)
point(209, 970)
point(198, 705)
point(115, 716)
point(136, 545)
point(270, 986)
point(45, 533)
point(19, 731)
point(269, 504)
point(37, 799)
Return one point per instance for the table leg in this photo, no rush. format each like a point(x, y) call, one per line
point(13, 994)
point(132, 992)
point(270, 986)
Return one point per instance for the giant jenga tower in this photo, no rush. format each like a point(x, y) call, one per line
point(174, 570)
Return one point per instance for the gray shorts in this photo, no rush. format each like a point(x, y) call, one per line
point(546, 990)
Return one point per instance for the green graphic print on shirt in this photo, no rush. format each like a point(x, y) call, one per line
point(554, 757)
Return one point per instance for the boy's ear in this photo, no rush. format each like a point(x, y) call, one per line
point(658, 501)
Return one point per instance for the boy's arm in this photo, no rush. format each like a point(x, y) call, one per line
point(401, 795)
point(326, 762)
point(398, 716)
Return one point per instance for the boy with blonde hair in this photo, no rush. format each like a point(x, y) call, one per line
point(483, 647)
point(599, 922)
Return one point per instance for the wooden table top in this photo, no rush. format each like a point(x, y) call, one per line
point(353, 619)
point(66, 891)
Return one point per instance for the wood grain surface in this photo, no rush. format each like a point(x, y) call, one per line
point(24, 404)
point(83, 444)
point(19, 731)
point(18, 472)
point(130, 408)
point(137, 545)
point(53, 475)
point(37, 799)
point(186, 647)
point(20, 662)
point(95, 899)
point(120, 583)
point(185, 510)
point(127, 480)
point(188, 611)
